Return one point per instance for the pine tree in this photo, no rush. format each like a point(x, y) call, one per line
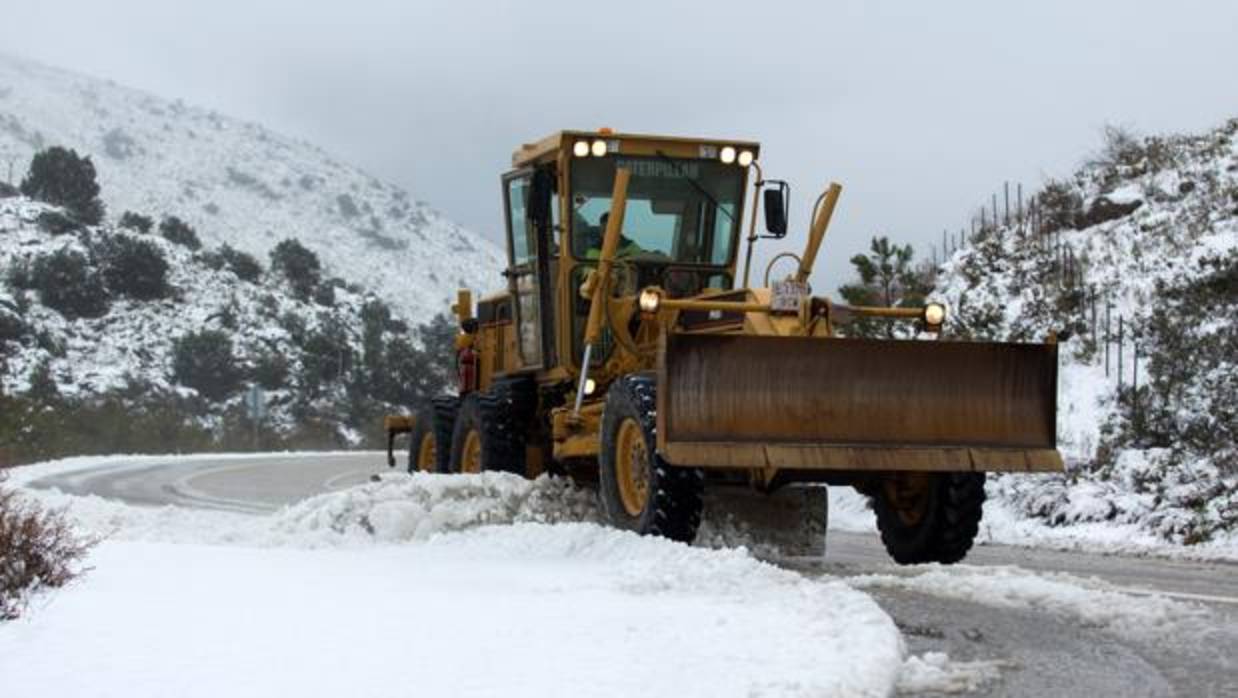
point(888, 279)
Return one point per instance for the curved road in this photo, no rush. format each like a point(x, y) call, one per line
point(1039, 653)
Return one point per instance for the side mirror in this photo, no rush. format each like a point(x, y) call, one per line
point(776, 208)
point(537, 208)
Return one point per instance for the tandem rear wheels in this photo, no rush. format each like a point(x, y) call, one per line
point(639, 491)
point(490, 428)
point(929, 517)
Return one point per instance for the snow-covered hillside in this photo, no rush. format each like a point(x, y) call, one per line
point(241, 184)
point(1146, 232)
point(312, 356)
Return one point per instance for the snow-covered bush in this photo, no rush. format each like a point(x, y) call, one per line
point(137, 222)
point(178, 231)
point(204, 361)
point(271, 371)
point(57, 223)
point(1190, 402)
point(60, 176)
point(244, 265)
point(134, 268)
point(38, 550)
point(68, 282)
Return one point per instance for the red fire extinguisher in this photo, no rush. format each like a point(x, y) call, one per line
point(467, 358)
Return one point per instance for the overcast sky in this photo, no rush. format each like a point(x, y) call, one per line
point(921, 110)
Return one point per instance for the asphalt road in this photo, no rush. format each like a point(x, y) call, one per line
point(1040, 653)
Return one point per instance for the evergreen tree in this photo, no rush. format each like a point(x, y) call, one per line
point(887, 279)
point(299, 266)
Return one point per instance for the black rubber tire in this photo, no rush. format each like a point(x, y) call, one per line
point(422, 427)
point(495, 452)
point(948, 527)
point(674, 507)
point(467, 418)
point(506, 413)
point(445, 409)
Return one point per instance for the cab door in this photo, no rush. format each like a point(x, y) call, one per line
point(522, 268)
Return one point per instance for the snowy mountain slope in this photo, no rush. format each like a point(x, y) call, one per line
point(1148, 230)
point(307, 354)
point(241, 184)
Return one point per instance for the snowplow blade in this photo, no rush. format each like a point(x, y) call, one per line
point(805, 403)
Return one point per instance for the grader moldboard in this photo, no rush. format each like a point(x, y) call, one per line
point(623, 352)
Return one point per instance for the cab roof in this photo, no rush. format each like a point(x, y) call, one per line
point(549, 147)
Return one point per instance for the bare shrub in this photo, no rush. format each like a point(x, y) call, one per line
point(38, 550)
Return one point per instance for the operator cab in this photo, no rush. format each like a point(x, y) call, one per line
point(680, 232)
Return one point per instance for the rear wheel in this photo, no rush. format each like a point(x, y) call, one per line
point(422, 451)
point(507, 409)
point(466, 438)
point(488, 434)
point(445, 409)
point(929, 517)
point(639, 491)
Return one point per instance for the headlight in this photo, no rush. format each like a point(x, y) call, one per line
point(650, 300)
point(590, 386)
point(934, 314)
point(727, 155)
point(745, 158)
point(581, 149)
point(598, 148)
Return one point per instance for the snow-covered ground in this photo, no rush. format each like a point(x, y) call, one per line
point(409, 586)
point(486, 585)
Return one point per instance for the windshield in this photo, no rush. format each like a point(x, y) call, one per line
point(683, 211)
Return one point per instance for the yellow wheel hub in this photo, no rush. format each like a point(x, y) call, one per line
point(632, 467)
point(427, 454)
point(470, 457)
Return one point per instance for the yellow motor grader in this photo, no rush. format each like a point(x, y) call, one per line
point(622, 350)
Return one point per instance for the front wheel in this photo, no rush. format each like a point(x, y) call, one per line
point(639, 491)
point(929, 517)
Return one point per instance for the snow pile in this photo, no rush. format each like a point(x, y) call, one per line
point(1147, 232)
point(933, 672)
point(399, 507)
point(524, 610)
point(241, 184)
point(1090, 601)
point(418, 506)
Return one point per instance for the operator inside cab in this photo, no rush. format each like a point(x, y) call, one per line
point(594, 235)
